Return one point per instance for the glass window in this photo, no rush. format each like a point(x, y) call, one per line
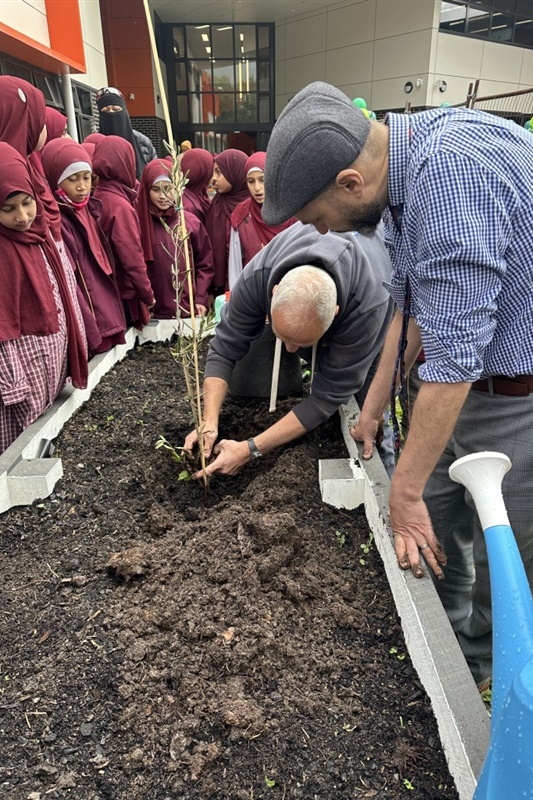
point(223, 76)
point(225, 108)
point(263, 41)
point(84, 127)
point(49, 86)
point(246, 108)
point(245, 46)
point(199, 41)
point(222, 41)
point(504, 5)
point(84, 97)
point(200, 76)
point(500, 20)
point(178, 44)
point(501, 28)
point(524, 8)
point(523, 32)
point(264, 108)
point(18, 70)
point(264, 76)
point(478, 22)
point(183, 108)
point(181, 76)
point(204, 108)
point(246, 78)
point(453, 17)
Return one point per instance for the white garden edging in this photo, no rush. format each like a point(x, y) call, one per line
point(24, 475)
point(463, 722)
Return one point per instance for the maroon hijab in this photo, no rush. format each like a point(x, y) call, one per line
point(57, 156)
point(22, 118)
point(27, 305)
point(217, 223)
point(55, 124)
point(197, 164)
point(114, 163)
point(55, 127)
point(146, 209)
point(250, 206)
point(93, 138)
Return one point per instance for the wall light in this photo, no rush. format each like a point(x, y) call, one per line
point(408, 87)
point(441, 86)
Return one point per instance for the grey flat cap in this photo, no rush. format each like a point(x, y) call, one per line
point(318, 134)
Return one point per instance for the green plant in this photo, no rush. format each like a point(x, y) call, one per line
point(270, 782)
point(178, 454)
point(365, 547)
point(394, 652)
point(341, 538)
point(407, 783)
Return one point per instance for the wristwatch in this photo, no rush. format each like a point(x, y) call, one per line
point(254, 450)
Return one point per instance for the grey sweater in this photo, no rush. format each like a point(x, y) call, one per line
point(358, 265)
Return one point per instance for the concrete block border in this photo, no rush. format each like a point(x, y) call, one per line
point(25, 474)
point(463, 722)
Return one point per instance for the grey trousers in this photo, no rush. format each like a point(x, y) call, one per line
point(487, 422)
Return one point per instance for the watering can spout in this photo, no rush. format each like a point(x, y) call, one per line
point(509, 763)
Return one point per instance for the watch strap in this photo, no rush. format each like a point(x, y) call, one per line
point(254, 450)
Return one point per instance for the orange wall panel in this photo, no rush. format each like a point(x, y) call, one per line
point(64, 28)
point(128, 53)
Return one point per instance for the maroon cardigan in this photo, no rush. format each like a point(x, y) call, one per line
point(159, 269)
point(96, 280)
point(121, 226)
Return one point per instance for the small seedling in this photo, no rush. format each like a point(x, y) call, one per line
point(341, 538)
point(178, 454)
point(270, 782)
point(407, 783)
point(394, 652)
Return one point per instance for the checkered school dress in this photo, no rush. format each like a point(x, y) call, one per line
point(32, 373)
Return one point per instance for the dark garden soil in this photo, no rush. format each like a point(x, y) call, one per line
point(158, 644)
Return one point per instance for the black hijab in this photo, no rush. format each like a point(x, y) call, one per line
point(118, 123)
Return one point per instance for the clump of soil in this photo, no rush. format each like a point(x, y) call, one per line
point(161, 644)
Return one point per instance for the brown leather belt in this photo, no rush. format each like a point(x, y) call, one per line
point(519, 386)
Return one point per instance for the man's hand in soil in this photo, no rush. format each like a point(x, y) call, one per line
point(231, 457)
point(210, 435)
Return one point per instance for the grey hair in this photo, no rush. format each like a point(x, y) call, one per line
point(306, 291)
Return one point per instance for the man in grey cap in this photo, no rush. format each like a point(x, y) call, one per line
point(455, 188)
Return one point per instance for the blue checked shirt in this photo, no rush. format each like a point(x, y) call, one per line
point(461, 182)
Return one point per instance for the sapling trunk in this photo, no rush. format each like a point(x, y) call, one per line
point(186, 351)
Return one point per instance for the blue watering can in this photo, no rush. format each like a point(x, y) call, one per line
point(507, 772)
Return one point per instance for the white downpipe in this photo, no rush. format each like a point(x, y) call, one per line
point(69, 106)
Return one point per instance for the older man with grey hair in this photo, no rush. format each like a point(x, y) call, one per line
point(318, 291)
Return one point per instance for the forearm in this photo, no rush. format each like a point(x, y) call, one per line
point(379, 393)
point(214, 394)
point(284, 430)
point(435, 414)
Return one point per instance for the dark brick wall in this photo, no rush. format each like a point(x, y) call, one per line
point(155, 129)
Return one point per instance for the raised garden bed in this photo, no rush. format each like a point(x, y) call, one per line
point(159, 644)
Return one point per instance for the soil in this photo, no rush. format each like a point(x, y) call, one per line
point(161, 644)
